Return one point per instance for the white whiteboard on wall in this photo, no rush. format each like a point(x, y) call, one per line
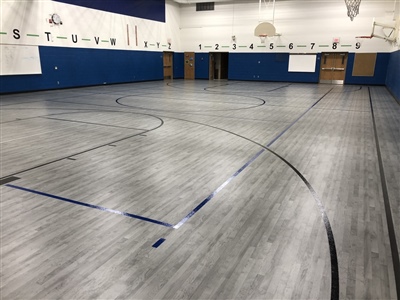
point(19, 60)
point(302, 62)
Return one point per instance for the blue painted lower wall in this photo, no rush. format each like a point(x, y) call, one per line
point(178, 65)
point(267, 67)
point(393, 74)
point(379, 77)
point(202, 65)
point(274, 67)
point(73, 67)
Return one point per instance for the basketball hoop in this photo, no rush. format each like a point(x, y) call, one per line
point(262, 38)
point(360, 39)
point(353, 7)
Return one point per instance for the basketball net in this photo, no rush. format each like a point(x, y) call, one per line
point(262, 38)
point(352, 8)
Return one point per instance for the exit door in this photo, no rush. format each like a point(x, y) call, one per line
point(333, 67)
point(189, 65)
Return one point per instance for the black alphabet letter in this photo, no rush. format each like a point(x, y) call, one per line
point(97, 39)
point(16, 34)
point(75, 40)
point(48, 36)
point(145, 44)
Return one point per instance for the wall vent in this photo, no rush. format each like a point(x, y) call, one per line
point(204, 6)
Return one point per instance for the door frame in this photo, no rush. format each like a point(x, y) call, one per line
point(218, 61)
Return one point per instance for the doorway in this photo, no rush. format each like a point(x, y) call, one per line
point(189, 65)
point(333, 67)
point(218, 65)
point(168, 59)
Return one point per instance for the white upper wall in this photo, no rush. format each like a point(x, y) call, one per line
point(300, 23)
point(26, 22)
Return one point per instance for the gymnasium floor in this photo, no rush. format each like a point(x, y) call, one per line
point(200, 190)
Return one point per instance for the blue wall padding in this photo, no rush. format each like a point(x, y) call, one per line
point(83, 67)
point(393, 74)
point(202, 65)
point(179, 65)
point(145, 9)
point(379, 77)
point(267, 67)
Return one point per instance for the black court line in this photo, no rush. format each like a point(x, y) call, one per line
point(332, 247)
point(133, 216)
point(209, 197)
point(90, 149)
point(8, 180)
point(230, 93)
point(190, 111)
point(386, 201)
point(331, 240)
point(90, 123)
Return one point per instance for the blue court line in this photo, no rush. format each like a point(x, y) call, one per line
point(198, 207)
point(204, 202)
point(295, 121)
point(158, 243)
point(212, 195)
point(91, 206)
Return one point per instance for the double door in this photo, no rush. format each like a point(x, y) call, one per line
point(333, 67)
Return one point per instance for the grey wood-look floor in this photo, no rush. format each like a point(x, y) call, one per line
point(255, 187)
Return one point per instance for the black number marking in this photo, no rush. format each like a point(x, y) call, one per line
point(358, 45)
point(234, 46)
point(251, 46)
point(216, 46)
point(291, 46)
point(312, 45)
point(200, 46)
point(334, 46)
point(271, 46)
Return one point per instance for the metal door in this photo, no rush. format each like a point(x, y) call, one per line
point(333, 67)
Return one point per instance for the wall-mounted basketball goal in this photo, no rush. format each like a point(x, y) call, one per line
point(264, 30)
point(387, 32)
